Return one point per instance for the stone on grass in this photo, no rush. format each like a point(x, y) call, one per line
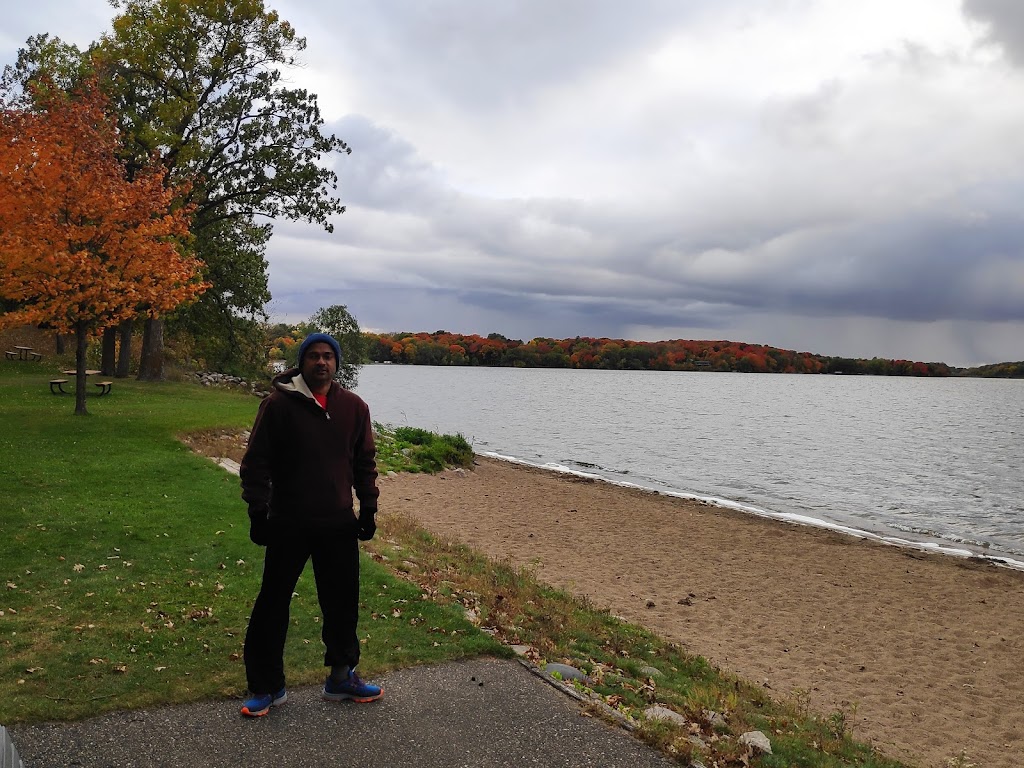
point(757, 741)
point(658, 712)
point(564, 672)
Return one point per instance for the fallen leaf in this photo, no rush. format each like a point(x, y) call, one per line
point(78, 568)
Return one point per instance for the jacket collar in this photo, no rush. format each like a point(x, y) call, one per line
point(291, 381)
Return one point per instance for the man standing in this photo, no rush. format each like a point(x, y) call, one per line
point(310, 447)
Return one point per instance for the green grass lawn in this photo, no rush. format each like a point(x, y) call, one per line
point(128, 574)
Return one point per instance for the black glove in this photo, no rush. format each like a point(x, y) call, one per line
point(259, 526)
point(367, 525)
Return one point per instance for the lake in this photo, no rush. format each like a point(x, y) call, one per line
point(936, 463)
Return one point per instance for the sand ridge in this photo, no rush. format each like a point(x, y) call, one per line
point(928, 648)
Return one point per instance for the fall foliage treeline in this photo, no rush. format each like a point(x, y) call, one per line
point(443, 348)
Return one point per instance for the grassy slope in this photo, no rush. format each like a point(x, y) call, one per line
point(127, 571)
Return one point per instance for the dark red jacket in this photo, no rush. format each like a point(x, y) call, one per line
point(303, 462)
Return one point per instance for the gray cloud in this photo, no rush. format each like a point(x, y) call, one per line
point(1004, 20)
point(457, 53)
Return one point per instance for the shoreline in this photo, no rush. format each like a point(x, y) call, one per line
point(934, 544)
point(921, 651)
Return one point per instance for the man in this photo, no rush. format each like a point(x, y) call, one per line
point(310, 447)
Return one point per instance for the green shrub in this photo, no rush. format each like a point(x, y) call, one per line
point(411, 449)
point(413, 435)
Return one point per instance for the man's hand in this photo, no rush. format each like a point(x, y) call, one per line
point(367, 525)
point(259, 526)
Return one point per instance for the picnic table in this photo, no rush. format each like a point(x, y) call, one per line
point(57, 385)
point(23, 353)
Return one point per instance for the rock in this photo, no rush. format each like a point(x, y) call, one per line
point(229, 465)
point(756, 741)
point(564, 672)
point(715, 720)
point(521, 650)
point(651, 672)
point(658, 712)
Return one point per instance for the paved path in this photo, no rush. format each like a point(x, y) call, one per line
point(483, 712)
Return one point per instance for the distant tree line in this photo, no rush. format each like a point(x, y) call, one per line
point(444, 348)
point(998, 371)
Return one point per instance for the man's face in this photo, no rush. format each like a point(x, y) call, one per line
point(319, 364)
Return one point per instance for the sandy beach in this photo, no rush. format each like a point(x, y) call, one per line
point(928, 648)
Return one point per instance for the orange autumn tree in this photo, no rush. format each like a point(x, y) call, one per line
point(82, 246)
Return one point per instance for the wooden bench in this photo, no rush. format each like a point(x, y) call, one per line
point(11, 355)
point(104, 387)
point(35, 356)
point(57, 386)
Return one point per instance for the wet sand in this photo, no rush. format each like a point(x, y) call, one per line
point(928, 648)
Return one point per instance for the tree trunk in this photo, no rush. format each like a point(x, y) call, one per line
point(59, 342)
point(107, 361)
point(80, 343)
point(124, 356)
point(151, 364)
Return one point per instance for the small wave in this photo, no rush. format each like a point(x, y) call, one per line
point(976, 544)
point(788, 517)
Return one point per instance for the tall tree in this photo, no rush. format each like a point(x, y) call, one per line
point(82, 247)
point(340, 323)
point(200, 81)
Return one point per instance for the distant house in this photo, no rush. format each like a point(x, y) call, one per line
point(702, 363)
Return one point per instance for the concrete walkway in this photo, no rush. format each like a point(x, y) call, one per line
point(483, 712)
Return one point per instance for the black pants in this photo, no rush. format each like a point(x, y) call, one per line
point(335, 556)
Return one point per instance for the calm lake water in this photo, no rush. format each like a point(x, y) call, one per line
point(935, 462)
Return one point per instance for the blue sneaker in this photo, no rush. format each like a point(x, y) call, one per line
point(352, 688)
point(260, 704)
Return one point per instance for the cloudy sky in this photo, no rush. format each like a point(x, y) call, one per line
point(845, 178)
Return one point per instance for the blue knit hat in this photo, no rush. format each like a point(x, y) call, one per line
point(313, 338)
